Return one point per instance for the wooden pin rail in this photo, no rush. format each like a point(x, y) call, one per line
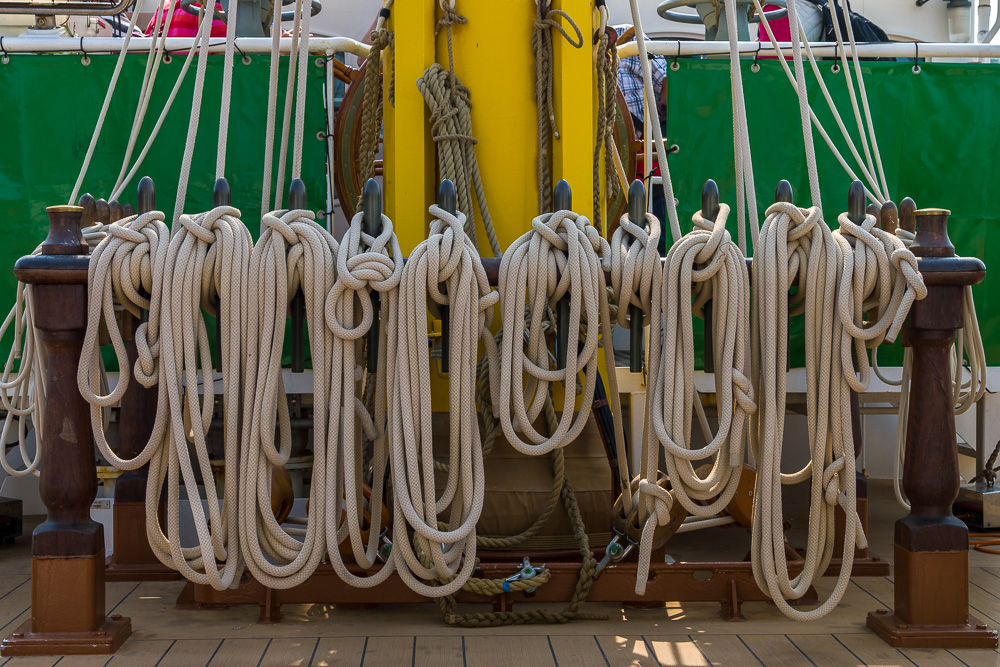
point(931, 546)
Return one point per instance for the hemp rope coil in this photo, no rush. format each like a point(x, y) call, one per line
point(447, 256)
point(704, 264)
point(294, 253)
point(376, 263)
point(837, 282)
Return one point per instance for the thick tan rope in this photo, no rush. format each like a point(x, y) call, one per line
point(838, 282)
point(607, 110)
point(707, 258)
point(294, 253)
point(448, 256)
point(364, 263)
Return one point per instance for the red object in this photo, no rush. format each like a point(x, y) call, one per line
point(183, 24)
point(781, 29)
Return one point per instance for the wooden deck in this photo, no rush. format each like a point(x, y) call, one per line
point(689, 634)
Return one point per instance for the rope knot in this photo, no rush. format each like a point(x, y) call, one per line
point(449, 17)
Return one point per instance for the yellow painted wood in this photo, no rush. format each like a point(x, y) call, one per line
point(774, 650)
point(824, 650)
point(407, 150)
point(576, 107)
point(389, 651)
point(626, 650)
point(288, 652)
point(187, 652)
point(577, 651)
point(438, 651)
point(671, 651)
point(340, 651)
point(872, 650)
point(512, 651)
point(725, 650)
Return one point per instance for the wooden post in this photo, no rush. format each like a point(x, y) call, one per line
point(931, 545)
point(132, 558)
point(67, 550)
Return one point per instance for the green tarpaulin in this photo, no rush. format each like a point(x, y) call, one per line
point(48, 108)
point(938, 131)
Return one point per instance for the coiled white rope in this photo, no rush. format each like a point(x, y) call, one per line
point(562, 255)
point(707, 259)
point(294, 253)
point(966, 392)
point(448, 556)
point(838, 282)
point(364, 263)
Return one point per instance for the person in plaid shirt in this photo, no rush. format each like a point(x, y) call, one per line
point(630, 82)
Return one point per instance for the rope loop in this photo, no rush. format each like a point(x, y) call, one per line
point(635, 266)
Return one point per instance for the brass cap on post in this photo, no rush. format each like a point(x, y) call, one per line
point(932, 233)
point(64, 231)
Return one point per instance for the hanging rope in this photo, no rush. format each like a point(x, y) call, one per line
point(839, 282)
point(364, 263)
point(447, 256)
point(606, 64)
point(704, 265)
point(371, 115)
point(294, 253)
point(541, 46)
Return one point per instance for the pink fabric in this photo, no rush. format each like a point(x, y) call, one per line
point(782, 31)
point(184, 24)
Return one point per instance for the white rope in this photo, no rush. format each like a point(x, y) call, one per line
point(838, 283)
point(746, 196)
point(364, 263)
point(227, 87)
point(447, 556)
point(704, 265)
point(965, 392)
point(562, 256)
point(104, 109)
point(294, 253)
point(654, 121)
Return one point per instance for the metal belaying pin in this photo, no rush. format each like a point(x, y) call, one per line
point(371, 222)
point(562, 199)
point(637, 215)
point(297, 200)
point(709, 211)
point(222, 195)
point(447, 200)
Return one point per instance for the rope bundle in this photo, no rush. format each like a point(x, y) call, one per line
point(364, 263)
point(563, 255)
point(835, 281)
point(294, 253)
point(706, 257)
point(447, 256)
point(635, 267)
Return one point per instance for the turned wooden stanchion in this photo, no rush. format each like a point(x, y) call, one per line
point(932, 546)
point(67, 550)
point(132, 559)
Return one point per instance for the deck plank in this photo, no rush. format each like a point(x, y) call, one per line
point(141, 653)
point(622, 650)
point(15, 602)
point(340, 651)
point(239, 652)
point(33, 661)
point(674, 650)
point(982, 657)
point(774, 650)
point(577, 651)
point(285, 652)
point(928, 657)
point(516, 651)
point(725, 650)
point(873, 651)
point(389, 651)
point(84, 661)
point(187, 652)
point(438, 650)
point(825, 650)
